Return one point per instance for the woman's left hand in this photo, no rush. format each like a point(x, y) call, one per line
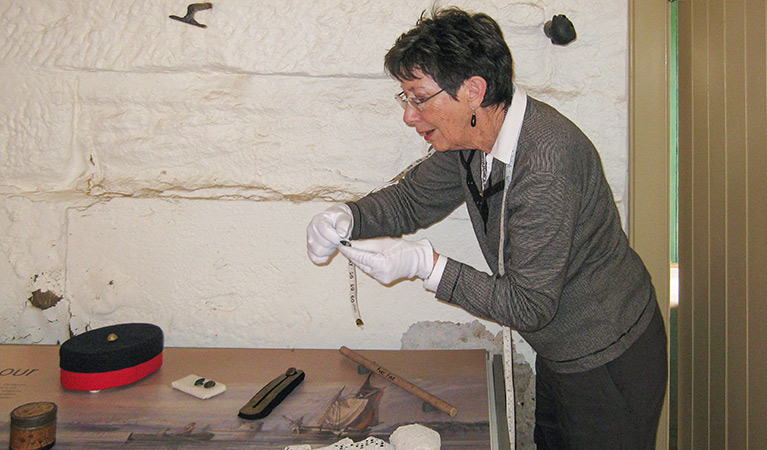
point(389, 259)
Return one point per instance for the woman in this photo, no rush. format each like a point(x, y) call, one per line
point(563, 276)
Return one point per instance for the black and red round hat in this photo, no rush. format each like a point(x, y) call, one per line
point(111, 356)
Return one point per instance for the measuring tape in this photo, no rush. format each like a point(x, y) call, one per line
point(353, 295)
point(352, 269)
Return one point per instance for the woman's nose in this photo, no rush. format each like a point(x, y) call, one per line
point(411, 115)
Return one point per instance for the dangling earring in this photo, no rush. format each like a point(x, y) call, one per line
point(473, 118)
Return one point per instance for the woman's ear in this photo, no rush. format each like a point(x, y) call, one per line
point(475, 88)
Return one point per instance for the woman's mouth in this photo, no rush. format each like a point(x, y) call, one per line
point(428, 134)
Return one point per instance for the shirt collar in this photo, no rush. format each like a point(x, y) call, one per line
point(506, 143)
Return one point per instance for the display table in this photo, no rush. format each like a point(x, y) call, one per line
point(337, 399)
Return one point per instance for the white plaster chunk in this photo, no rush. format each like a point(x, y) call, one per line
point(444, 335)
point(473, 334)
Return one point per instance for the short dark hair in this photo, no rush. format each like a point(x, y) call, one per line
point(452, 46)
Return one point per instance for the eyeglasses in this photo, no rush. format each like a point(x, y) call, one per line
point(418, 104)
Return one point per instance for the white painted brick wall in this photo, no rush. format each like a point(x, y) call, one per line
point(155, 171)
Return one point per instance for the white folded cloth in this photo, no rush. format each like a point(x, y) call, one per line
point(406, 437)
point(415, 437)
point(370, 443)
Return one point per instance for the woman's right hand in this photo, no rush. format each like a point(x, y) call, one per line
point(326, 231)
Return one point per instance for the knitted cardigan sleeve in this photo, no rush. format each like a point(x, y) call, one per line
point(425, 195)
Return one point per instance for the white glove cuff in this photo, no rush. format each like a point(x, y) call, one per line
point(432, 283)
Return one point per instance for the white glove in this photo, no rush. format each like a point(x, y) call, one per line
point(388, 259)
point(326, 230)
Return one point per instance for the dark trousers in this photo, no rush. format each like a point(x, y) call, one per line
point(616, 406)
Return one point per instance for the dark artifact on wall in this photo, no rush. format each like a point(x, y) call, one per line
point(560, 30)
point(190, 10)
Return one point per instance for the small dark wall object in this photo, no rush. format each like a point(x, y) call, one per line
point(190, 10)
point(44, 299)
point(560, 30)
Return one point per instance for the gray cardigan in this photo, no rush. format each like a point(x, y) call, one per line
point(572, 287)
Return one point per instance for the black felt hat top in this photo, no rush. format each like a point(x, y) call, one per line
point(111, 348)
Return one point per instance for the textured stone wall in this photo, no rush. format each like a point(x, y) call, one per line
point(156, 171)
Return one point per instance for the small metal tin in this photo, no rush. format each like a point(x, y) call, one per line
point(33, 426)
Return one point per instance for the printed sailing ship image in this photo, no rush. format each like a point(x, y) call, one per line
point(188, 434)
point(344, 414)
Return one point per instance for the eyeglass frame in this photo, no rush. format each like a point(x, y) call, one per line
point(404, 100)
